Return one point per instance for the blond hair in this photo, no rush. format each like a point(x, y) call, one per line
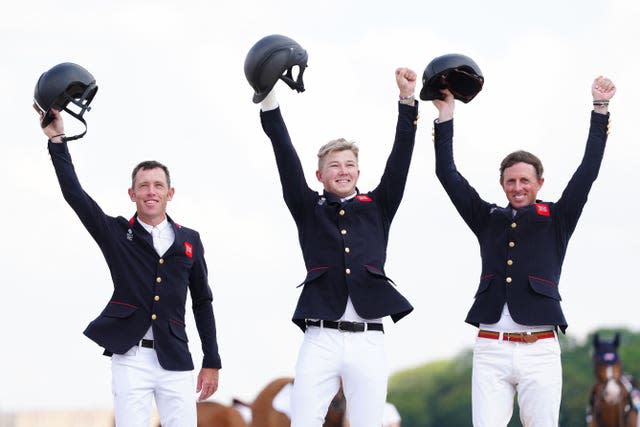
point(339, 144)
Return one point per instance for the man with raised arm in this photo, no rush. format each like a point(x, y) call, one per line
point(343, 235)
point(522, 246)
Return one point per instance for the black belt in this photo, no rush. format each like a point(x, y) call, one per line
point(345, 326)
point(142, 343)
point(146, 343)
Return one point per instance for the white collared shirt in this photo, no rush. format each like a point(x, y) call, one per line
point(165, 237)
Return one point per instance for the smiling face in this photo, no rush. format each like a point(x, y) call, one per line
point(151, 192)
point(521, 184)
point(339, 172)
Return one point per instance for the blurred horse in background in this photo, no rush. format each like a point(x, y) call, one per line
point(213, 414)
point(613, 396)
point(265, 415)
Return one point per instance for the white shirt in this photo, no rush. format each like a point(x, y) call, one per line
point(507, 324)
point(163, 235)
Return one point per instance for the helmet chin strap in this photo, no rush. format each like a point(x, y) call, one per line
point(80, 118)
point(83, 103)
point(296, 84)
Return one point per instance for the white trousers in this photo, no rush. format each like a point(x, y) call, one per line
point(328, 356)
point(500, 369)
point(137, 377)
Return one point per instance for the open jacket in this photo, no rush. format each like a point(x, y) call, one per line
point(344, 244)
point(148, 290)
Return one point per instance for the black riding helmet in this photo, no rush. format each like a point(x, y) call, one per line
point(453, 71)
point(63, 84)
point(271, 58)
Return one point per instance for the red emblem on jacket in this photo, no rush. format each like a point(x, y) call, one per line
point(364, 198)
point(542, 209)
point(188, 249)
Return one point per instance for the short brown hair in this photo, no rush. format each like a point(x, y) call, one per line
point(521, 156)
point(339, 144)
point(149, 164)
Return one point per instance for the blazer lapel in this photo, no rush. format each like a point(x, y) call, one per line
point(140, 234)
point(178, 245)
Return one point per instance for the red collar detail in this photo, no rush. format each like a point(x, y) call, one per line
point(364, 198)
point(542, 209)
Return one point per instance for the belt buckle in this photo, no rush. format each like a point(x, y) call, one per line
point(528, 337)
point(345, 326)
point(147, 343)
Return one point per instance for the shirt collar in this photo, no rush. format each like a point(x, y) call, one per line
point(162, 226)
point(344, 199)
point(332, 198)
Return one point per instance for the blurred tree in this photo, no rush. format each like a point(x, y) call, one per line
point(438, 394)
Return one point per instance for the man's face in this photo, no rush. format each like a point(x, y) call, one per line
point(151, 194)
point(521, 184)
point(339, 173)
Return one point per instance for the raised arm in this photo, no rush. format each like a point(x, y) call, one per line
point(464, 197)
point(292, 179)
point(575, 194)
point(90, 214)
point(392, 183)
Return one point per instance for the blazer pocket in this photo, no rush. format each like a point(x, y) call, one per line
point(314, 273)
point(378, 273)
point(485, 281)
point(178, 330)
point(119, 309)
point(545, 287)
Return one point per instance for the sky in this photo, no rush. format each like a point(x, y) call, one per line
point(172, 88)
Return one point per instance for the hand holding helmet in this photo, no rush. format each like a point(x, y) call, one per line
point(271, 59)
point(56, 88)
point(55, 129)
point(456, 72)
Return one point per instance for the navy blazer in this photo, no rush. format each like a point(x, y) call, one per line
point(149, 290)
point(522, 255)
point(344, 244)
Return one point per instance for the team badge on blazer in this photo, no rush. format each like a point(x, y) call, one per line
point(129, 235)
point(188, 249)
point(542, 209)
point(364, 198)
